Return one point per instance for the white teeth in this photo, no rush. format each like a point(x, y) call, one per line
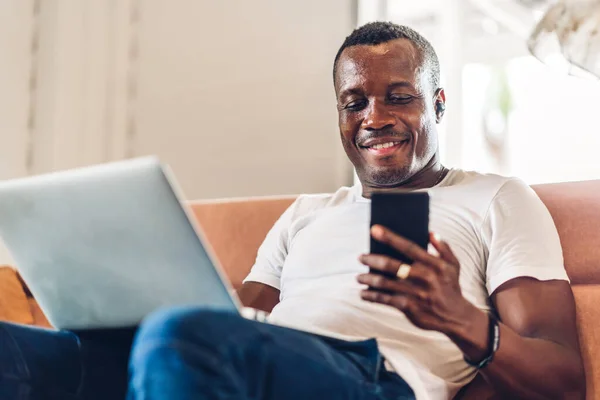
point(383, 145)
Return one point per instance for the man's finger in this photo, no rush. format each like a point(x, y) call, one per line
point(391, 285)
point(419, 274)
point(376, 297)
point(443, 249)
point(406, 247)
point(381, 263)
point(400, 302)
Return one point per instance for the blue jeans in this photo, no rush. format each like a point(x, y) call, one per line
point(191, 353)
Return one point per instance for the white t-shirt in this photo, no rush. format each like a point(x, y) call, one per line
point(497, 227)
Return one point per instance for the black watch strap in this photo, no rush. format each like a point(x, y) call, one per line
point(493, 344)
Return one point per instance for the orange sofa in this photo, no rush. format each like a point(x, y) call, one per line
point(235, 228)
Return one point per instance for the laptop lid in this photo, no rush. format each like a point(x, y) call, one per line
point(104, 246)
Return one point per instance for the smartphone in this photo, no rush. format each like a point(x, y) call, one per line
point(406, 214)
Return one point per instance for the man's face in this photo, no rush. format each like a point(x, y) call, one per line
point(386, 112)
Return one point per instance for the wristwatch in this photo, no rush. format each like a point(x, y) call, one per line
point(493, 344)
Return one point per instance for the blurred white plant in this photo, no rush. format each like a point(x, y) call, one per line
point(568, 37)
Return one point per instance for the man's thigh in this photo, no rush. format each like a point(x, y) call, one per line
point(38, 363)
point(47, 364)
point(227, 356)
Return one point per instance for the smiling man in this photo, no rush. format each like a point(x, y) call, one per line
point(471, 303)
point(490, 296)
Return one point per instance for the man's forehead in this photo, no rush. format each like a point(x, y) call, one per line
point(396, 59)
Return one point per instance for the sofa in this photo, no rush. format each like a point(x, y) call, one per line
point(236, 227)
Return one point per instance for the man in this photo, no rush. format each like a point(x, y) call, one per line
point(490, 295)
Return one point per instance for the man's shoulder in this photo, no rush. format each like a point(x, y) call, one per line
point(486, 184)
point(478, 191)
point(307, 203)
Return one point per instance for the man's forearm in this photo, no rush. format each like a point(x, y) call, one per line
point(529, 368)
point(259, 296)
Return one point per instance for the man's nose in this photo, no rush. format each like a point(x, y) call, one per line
point(378, 117)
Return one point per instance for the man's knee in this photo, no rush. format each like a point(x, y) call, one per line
point(179, 331)
point(187, 324)
point(178, 336)
point(182, 348)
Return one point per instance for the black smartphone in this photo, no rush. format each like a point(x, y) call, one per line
point(406, 214)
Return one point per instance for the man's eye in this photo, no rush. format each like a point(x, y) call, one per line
point(355, 105)
point(401, 99)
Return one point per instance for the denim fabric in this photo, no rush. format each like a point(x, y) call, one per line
point(191, 353)
point(36, 364)
point(43, 364)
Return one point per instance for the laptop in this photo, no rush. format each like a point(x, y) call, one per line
point(104, 246)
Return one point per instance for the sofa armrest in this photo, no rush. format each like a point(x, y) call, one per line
point(14, 305)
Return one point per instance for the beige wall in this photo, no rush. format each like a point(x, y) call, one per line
point(236, 95)
point(16, 26)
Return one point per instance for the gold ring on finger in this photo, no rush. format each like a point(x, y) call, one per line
point(403, 271)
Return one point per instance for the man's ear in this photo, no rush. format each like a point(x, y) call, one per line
point(439, 104)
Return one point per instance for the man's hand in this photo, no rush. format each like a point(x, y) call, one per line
point(538, 356)
point(430, 296)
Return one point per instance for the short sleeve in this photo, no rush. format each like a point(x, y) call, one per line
point(521, 238)
point(272, 252)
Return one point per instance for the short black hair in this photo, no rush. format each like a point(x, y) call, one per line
point(375, 33)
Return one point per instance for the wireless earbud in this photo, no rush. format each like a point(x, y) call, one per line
point(440, 108)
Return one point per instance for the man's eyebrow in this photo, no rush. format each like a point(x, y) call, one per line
point(405, 84)
point(351, 91)
point(357, 91)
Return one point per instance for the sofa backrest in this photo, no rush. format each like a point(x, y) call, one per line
point(575, 208)
point(235, 228)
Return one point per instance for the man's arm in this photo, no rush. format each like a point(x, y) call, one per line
point(259, 290)
point(539, 354)
point(538, 357)
point(258, 295)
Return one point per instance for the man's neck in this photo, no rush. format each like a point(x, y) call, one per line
point(431, 175)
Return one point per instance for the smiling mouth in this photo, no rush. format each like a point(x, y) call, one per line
point(386, 147)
